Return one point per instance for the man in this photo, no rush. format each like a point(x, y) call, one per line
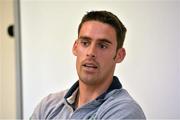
point(97, 94)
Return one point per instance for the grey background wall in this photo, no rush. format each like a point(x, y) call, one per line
point(150, 71)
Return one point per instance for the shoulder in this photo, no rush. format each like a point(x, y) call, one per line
point(53, 98)
point(121, 105)
point(47, 104)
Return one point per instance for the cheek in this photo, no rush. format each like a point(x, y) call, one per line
point(106, 59)
point(80, 51)
point(78, 63)
point(107, 56)
point(80, 56)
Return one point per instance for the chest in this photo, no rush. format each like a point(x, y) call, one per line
point(66, 112)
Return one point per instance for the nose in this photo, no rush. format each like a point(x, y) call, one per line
point(91, 52)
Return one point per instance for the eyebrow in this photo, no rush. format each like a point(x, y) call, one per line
point(105, 40)
point(84, 37)
point(101, 39)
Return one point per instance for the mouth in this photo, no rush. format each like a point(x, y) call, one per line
point(90, 65)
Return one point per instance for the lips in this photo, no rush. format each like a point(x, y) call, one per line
point(90, 65)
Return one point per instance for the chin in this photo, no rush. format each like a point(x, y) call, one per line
point(88, 80)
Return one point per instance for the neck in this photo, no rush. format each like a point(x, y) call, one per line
point(88, 93)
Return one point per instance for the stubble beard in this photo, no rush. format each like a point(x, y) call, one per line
point(90, 80)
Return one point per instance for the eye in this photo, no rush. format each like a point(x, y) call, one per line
point(103, 45)
point(85, 43)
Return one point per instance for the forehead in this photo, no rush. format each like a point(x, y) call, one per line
point(97, 30)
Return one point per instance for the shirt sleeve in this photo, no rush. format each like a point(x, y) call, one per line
point(124, 110)
point(39, 111)
point(46, 105)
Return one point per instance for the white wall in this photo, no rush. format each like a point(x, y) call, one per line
point(150, 71)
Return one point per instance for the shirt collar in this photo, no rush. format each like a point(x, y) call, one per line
point(114, 85)
point(71, 94)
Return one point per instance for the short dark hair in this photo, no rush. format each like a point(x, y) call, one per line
point(108, 18)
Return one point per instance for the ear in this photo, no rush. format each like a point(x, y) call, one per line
point(74, 49)
point(120, 55)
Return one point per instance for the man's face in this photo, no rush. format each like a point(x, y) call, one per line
point(96, 53)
